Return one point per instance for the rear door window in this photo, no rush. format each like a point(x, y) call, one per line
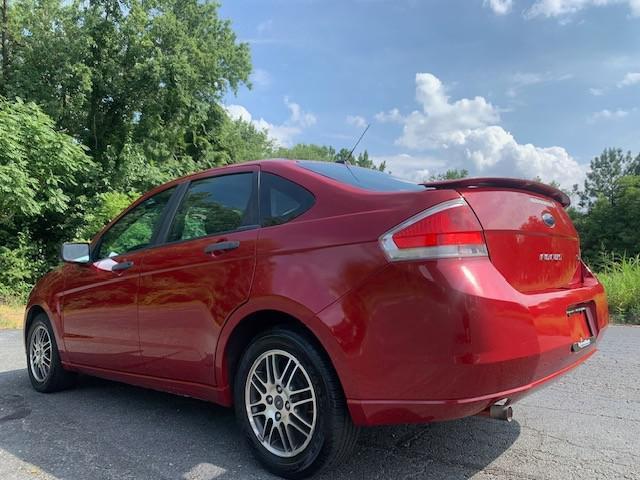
point(215, 205)
point(281, 200)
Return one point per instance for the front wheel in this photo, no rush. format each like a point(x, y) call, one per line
point(43, 360)
point(290, 405)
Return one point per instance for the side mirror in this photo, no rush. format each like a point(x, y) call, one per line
point(76, 253)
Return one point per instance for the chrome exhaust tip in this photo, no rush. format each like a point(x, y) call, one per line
point(499, 411)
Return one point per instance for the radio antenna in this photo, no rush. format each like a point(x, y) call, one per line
point(346, 161)
point(358, 142)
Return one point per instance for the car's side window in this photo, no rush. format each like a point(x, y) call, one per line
point(215, 205)
point(281, 200)
point(135, 230)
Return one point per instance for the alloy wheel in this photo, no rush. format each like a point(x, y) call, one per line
point(40, 353)
point(281, 404)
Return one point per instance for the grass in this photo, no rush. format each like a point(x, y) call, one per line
point(621, 279)
point(11, 316)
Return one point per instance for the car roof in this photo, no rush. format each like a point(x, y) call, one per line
point(215, 170)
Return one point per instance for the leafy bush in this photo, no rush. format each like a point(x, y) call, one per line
point(104, 208)
point(42, 172)
point(20, 267)
point(621, 279)
point(39, 166)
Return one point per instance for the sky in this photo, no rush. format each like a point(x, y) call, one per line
point(519, 88)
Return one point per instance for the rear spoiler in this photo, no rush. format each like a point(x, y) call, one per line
point(497, 182)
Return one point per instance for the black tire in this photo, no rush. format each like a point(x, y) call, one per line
point(334, 435)
point(57, 377)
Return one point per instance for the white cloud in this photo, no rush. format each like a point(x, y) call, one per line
point(356, 121)
point(632, 78)
point(521, 80)
point(499, 7)
point(527, 78)
point(238, 112)
point(282, 134)
point(607, 115)
point(261, 78)
point(442, 124)
point(466, 134)
point(298, 116)
point(596, 92)
point(559, 8)
point(392, 116)
point(410, 167)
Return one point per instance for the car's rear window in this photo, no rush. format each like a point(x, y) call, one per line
point(281, 200)
point(360, 177)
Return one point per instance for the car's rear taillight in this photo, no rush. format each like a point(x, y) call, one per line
point(447, 230)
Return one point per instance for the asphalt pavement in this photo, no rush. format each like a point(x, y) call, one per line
point(584, 426)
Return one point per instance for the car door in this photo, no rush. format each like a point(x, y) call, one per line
point(203, 272)
point(99, 304)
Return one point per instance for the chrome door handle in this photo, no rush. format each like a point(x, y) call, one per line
point(119, 267)
point(222, 247)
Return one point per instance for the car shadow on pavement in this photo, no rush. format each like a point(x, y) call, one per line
point(103, 429)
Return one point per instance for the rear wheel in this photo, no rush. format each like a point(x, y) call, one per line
point(43, 360)
point(290, 405)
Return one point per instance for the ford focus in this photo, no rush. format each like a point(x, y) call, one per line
point(316, 298)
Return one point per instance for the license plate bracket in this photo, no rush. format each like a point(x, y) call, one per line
point(582, 327)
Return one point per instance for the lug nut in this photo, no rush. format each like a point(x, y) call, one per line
point(279, 389)
point(269, 399)
point(287, 405)
point(278, 416)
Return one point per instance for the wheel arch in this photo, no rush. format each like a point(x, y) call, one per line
point(35, 309)
point(32, 312)
point(247, 323)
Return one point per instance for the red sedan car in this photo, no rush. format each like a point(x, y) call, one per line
point(319, 297)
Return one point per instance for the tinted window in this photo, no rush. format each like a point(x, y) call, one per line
point(215, 205)
point(135, 230)
point(360, 177)
point(281, 200)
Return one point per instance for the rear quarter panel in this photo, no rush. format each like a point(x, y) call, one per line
point(329, 250)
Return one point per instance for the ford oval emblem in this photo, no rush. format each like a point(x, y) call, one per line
point(548, 219)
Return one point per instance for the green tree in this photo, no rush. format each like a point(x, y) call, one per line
point(42, 176)
point(239, 141)
point(603, 178)
point(633, 167)
point(304, 151)
point(130, 77)
point(451, 174)
point(610, 226)
point(364, 161)
point(39, 167)
point(102, 209)
point(343, 155)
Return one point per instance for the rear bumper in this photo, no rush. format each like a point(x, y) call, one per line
point(440, 340)
point(381, 412)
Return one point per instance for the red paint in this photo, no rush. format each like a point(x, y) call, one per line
point(101, 315)
point(411, 341)
point(184, 298)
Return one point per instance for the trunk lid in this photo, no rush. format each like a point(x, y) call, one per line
point(530, 238)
